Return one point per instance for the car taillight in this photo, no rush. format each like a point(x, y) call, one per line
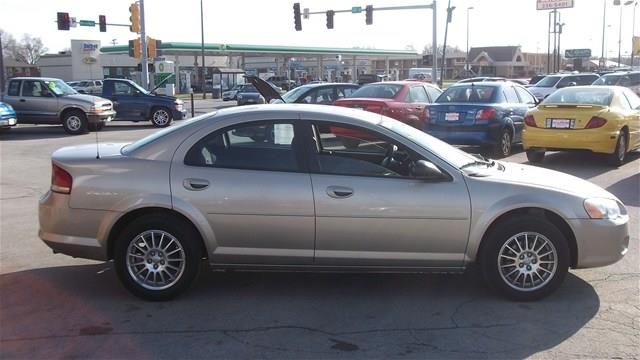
point(530, 121)
point(485, 114)
point(61, 180)
point(595, 122)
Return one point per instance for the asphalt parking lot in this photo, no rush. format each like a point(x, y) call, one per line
point(54, 306)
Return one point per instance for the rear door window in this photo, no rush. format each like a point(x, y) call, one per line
point(417, 94)
point(525, 96)
point(510, 95)
point(433, 93)
point(14, 88)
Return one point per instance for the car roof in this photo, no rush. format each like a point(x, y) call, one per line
point(485, 83)
point(35, 78)
point(401, 82)
point(315, 85)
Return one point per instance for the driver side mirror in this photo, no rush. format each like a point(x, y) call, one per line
point(426, 170)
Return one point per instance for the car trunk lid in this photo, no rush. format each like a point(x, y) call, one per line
point(568, 116)
point(461, 114)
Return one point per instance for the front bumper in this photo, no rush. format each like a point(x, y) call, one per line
point(8, 121)
point(73, 232)
point(180, 114)
point(104, 116)
point(596, 140)
point(600, 242)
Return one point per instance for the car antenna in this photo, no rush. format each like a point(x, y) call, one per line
point(97, 144)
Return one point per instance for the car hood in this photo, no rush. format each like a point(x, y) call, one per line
point(84, 98)
point(266, 90)
point(528, 175)
point(6, 110)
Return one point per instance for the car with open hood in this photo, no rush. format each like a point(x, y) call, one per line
point(323, 93)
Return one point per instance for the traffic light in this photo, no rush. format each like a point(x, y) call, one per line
point(64, 21)
point(134, 9)
point(369, 14)
point(427, 60)
point(330, 14)
point(135, 48)
point(102, 20)
point(152, 47)
point(296, 16)
point(450, 13)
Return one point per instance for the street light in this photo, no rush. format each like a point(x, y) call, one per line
point(467, 57)
point(618, 3)
point(202, 79)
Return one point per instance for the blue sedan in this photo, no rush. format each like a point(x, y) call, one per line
point(488, 114)
point(7, 116)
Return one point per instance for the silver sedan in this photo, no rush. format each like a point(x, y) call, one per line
point(272, 187)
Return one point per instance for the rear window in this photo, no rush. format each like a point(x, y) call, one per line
point(584, 96)
point(380, 91)
point(468, 94)
point(14, 88)
point(548, 81)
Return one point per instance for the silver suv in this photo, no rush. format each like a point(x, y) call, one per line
point(51, 101)
point(88, 87)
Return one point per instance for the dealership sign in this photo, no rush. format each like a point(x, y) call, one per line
point(577, 53)
point(553, 4)
point(89, 47)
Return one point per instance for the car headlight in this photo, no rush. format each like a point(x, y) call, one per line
point(239, 97)
point(95, 108)
point(179, 104)
point(601, 208)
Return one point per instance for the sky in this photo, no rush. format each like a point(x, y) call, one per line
point(270, 22)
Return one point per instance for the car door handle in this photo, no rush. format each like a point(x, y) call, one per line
point(23, 100)
point(339, 192)
point(195, 184)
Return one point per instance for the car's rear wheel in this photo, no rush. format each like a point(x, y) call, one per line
point(525, 258)
point(161, 117)
point(157, 256)
point(535, 156)
point(620, 152)
point(75, 122)
point(504, 145)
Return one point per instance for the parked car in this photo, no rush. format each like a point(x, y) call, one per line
point(551, 83)
point(406, 101)
point(318, 93)
point(39, 100)
point(402, 201)
point(628, 79)
point(249, 94)
point(534, 79)
point(7, 116)
point(88, 87)
point(232, 93)
point(132, 102)
point(603, 119)
point(282, 82)
point(489, 114)
point(523, 82)
point(481, 79)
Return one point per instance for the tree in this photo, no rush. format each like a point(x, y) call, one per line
point(30, 49)
point(9, 45)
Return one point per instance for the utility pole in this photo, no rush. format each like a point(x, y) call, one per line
point(434, 69)
point(560, 27)
point(143, 46)
point(555, 38)
point(1, 71)
point(443, 71)
point(549, 44)
point(467, 70)
point(202, 68)
point(604, 26)
point(633, 32)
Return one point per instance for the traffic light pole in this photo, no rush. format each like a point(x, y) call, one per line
point(434, 69)
point(143, 45)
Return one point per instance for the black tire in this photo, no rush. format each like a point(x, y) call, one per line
point(535, 156)
point(184, 235)
point(619, 154)
point(491, 262)
point(504, 145)
point(96, 126)
point(75, 122)
point(161, 117)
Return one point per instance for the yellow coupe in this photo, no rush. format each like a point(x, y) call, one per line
point(603, 119)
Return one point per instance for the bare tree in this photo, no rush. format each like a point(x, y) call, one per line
point(9, 45)
point(30, 49)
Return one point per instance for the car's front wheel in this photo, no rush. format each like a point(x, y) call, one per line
point(75, 122)
point(157, 256)
point(525, 257)
point(161, 117)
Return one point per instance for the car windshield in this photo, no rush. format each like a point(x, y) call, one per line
point(448, 153)
point(85, 83)
point(581, 96)
point(548, 81)
point(139, 88)
point(128, 149)
point(608, 80)
point(59, 87)
point(467, 94)
point(293, 95)
point(381, 91)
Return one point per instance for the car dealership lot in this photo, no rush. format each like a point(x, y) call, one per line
point(57, 306)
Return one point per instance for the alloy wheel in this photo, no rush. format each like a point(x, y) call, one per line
point(527, 261)
point(155, 260)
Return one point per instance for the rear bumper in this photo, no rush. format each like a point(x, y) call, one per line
point(74, 232)
point(101, 117)
point(596, 140)
point(600, 242)
point(487, 135)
